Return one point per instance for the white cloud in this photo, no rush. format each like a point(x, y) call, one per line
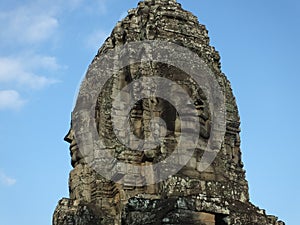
point(34, 26)
point(10, 99)
point(19, 71)
point(6, 180)
point(49, 62)
point(27, 24)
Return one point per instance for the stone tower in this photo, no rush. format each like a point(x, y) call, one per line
point(217, 194)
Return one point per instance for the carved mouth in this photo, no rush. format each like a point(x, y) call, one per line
point(73, 146)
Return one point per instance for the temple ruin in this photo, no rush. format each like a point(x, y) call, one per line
point(217, 195)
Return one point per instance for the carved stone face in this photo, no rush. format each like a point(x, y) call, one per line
point(76, 156)
point(145, 110)
point(215, 195)
point(140, 117)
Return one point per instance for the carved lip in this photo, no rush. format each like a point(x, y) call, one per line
point(73, 146)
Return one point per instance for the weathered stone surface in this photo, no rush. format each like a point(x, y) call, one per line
point(219, 195)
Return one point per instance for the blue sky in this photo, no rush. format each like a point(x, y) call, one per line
point(46, 47)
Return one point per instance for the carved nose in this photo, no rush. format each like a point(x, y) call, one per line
point(69, 137)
